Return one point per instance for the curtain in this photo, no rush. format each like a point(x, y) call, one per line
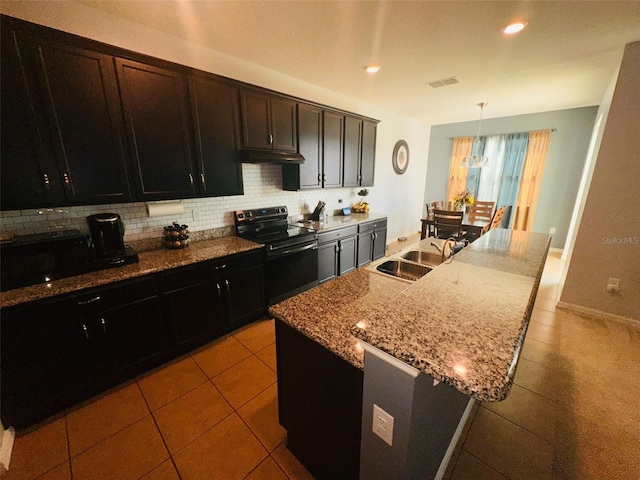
point(531, 179)
point(489, 184)
point(514, 154)
point(473, 178)
point(457, 173)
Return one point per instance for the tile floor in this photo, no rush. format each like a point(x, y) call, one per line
point(572, 413)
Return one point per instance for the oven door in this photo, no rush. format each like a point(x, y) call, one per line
point(291, 269)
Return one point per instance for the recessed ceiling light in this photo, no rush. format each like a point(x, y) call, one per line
point(372, 68)
point(514, 27)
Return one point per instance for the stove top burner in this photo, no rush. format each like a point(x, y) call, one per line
point(269, 226)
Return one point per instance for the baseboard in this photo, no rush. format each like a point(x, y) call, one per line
point(555, 250)
point(598, 313)
point(6, 447)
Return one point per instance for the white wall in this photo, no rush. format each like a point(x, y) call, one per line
point(399, 197)
point(608, 239)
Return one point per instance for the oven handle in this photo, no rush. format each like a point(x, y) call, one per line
point(277, 252)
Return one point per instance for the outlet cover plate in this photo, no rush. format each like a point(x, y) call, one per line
point(382, 424)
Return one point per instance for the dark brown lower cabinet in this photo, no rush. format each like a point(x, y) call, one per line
point(320, 405)
point(58, 352)
point(337, 253)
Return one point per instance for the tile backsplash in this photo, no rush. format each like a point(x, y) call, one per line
point(262, 188)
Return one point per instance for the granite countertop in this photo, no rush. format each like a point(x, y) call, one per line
point(463, 323)
point(339, 221)
point(150, 262)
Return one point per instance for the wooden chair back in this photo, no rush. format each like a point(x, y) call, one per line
point(435, 206)
point(495, 221)
point(447, 223)
point(481, 211)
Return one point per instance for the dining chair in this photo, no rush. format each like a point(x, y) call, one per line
point(481, 211)
point(495, 220)
point(447, 223)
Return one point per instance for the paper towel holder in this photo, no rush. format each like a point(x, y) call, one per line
point(160, 209)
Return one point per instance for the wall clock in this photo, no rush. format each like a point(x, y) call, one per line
point(400, 158)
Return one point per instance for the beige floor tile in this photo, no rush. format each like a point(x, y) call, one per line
point(544, 333)
point(228, 451)
point(469, 467)
point(61, 472)
point(544, 381)
point(257, 335)
point(546, 304)
point(528, 410)
point(508, 448)
point(129, 454)
point(290, 464)
point(104, 417)
point(244, 381)
point(268, 356)
point(261, 414)
point(38, 452)
point(220, 356)
point(546, 355)
point(267, 470)
point(170, 382)
point(189, 416)
point(166, 471)
point(544, 316)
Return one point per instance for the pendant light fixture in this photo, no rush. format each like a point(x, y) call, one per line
point(475, 160)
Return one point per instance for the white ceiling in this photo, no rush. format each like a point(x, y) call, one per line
point(563, 59)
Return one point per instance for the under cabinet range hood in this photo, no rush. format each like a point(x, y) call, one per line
point(265, 156)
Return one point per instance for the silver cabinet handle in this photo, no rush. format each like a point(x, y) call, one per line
point(220, 267)
point(336, 248)
point(270, 139)
point(87, 302)
point(86, 331)
point(319, 178)
point(47, 184)
point(103, 322)
point(191, 180)
point(218, 287)
point(226, 283)
point(66, 179)
point(324, 177)
point(204, 183)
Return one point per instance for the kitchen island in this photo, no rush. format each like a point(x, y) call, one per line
point(459, 329)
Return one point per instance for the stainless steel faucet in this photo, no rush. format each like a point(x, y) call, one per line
point(444, 248)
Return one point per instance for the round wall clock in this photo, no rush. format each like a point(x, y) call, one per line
point(400, 157)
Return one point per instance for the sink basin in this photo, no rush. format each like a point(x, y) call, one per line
point(423, 257)
point(406, 270)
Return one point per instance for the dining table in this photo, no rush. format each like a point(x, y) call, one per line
point(474, 227)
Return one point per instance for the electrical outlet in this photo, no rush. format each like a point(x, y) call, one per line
point(382, 424)
point(613, 285)
point(552, 230)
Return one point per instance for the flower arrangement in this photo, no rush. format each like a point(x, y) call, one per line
point(463, 198)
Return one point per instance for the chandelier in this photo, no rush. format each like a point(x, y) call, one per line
point(474, 160)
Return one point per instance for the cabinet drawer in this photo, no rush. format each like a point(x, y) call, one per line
point(367, 227)
point(117, 294)
point(337, 234)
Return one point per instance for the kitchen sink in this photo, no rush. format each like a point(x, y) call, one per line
point(402, 269)
point(423, 257)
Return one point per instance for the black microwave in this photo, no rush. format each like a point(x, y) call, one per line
point(40, 258)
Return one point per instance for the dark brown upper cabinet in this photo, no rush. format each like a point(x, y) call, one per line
point(29, 175)
point(83, 110)
point(309, 174)
point(333, 141)
point(155, 102)
point(352, 142)
point(268, 122)
point(62, 131)
point(368, 153)
point(216, 121)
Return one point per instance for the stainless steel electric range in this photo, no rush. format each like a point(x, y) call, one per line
point(291, 252)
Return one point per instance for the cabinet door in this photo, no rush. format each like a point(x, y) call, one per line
point(155, 101)
point(332, 149)
point(379, 243)
point(310, 145)
point(347, 249)
point(196, 312)
point(136, 335)
point(215, 113)
point(86, 121)
point(28, 173)
point(283, 125)
point(327, 261)
point(367, 161)
point(245, 294)
point(365, 248)
point(256, 119)
point(351, 175)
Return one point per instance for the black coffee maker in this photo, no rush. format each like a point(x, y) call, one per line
point(107, 235)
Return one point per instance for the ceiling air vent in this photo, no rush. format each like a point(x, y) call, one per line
point(444, 82)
